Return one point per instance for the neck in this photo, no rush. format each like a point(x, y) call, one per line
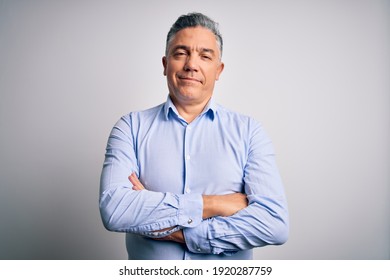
point(189, 110)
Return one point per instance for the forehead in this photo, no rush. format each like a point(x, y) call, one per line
point(198, 37)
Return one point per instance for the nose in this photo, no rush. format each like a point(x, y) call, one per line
point(191, 64)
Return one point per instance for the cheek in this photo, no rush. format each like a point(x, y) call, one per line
point(171, 77)
point(171, 70)
point(212, 76)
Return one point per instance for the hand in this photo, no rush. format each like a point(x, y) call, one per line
point(137, 186)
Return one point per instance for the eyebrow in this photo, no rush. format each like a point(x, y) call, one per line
point(187, 48)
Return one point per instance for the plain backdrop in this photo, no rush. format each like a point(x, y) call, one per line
point(315, 73)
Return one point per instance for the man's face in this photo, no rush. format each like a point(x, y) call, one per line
point(192, 65)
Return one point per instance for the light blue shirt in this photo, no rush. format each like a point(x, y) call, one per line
point(220, 152)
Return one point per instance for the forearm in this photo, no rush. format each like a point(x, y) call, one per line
point(223, 205)
point(213, 205)
point(255, 226)
point(125, 210)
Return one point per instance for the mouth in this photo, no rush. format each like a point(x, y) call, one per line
point(189, 79)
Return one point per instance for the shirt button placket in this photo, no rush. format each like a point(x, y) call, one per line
point(187, 157)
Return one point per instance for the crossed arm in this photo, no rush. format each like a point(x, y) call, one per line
point(213, 205)
point(211, 224)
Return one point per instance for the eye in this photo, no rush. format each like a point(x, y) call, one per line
point(206, 57)
point(179, 53)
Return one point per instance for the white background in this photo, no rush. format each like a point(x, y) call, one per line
point(315, 73)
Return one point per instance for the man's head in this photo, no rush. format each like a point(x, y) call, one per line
point(192, 62)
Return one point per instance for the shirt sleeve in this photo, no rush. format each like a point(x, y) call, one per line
point(264, 222)
point(142, 212)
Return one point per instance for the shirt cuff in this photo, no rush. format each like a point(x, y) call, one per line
point(160, 234)
point(197, 240)
point(190, 210)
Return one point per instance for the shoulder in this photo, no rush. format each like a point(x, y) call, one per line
point(142, 115)
point(245, 126)
point(233, 117)
point(133, 121)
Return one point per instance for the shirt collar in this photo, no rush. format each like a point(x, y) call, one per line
point(209, 110)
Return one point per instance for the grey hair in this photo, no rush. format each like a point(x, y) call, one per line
point(194, 20)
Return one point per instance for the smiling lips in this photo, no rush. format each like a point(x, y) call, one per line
point(190, 79)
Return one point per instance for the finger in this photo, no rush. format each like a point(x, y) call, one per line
point(137, 188)
point(134, 180)
point(137, 185)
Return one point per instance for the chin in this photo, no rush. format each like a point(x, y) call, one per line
point(188, 94)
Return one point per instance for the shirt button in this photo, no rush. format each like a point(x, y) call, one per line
point(198, 249)
point(188, 157)
point(189, 221)
point(188, 190)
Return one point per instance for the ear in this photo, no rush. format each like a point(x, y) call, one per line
point(164, 62)
point(220, 68)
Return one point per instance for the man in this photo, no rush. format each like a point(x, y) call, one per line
point(189, 179)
